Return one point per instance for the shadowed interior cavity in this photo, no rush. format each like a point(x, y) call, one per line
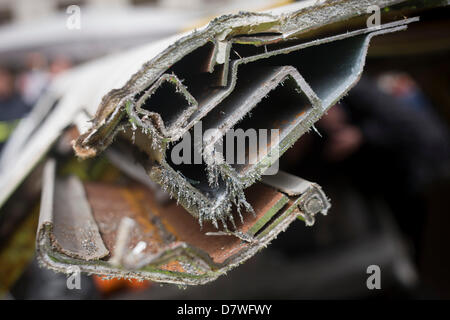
point(195, 174)
point(167, 101)
point(283, 108)
point(328, 68)
point(192, 70)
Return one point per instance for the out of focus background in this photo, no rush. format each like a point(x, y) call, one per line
point(382, 156)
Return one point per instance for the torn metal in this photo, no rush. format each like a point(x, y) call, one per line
point(217, 76)
point(300, 59)
point(112, 230)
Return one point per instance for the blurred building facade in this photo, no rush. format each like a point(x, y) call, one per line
point(28, 10)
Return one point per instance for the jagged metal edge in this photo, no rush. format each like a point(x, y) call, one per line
point(194, 201)
point(220, 28)
point(219, 168)
point(59, 262)
point(237, 189)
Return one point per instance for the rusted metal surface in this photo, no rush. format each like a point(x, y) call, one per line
point(208, 56)
point(162, 242)
point(110, 204)
point(162, 225)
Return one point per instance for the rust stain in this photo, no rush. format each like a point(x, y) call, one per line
point(173, 266)
point(133, 198)
point(110, 203)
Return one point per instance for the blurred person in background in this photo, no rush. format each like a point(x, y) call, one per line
point(387, 145)
point(403, 87)
point(12, 107)
point(36, 77)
